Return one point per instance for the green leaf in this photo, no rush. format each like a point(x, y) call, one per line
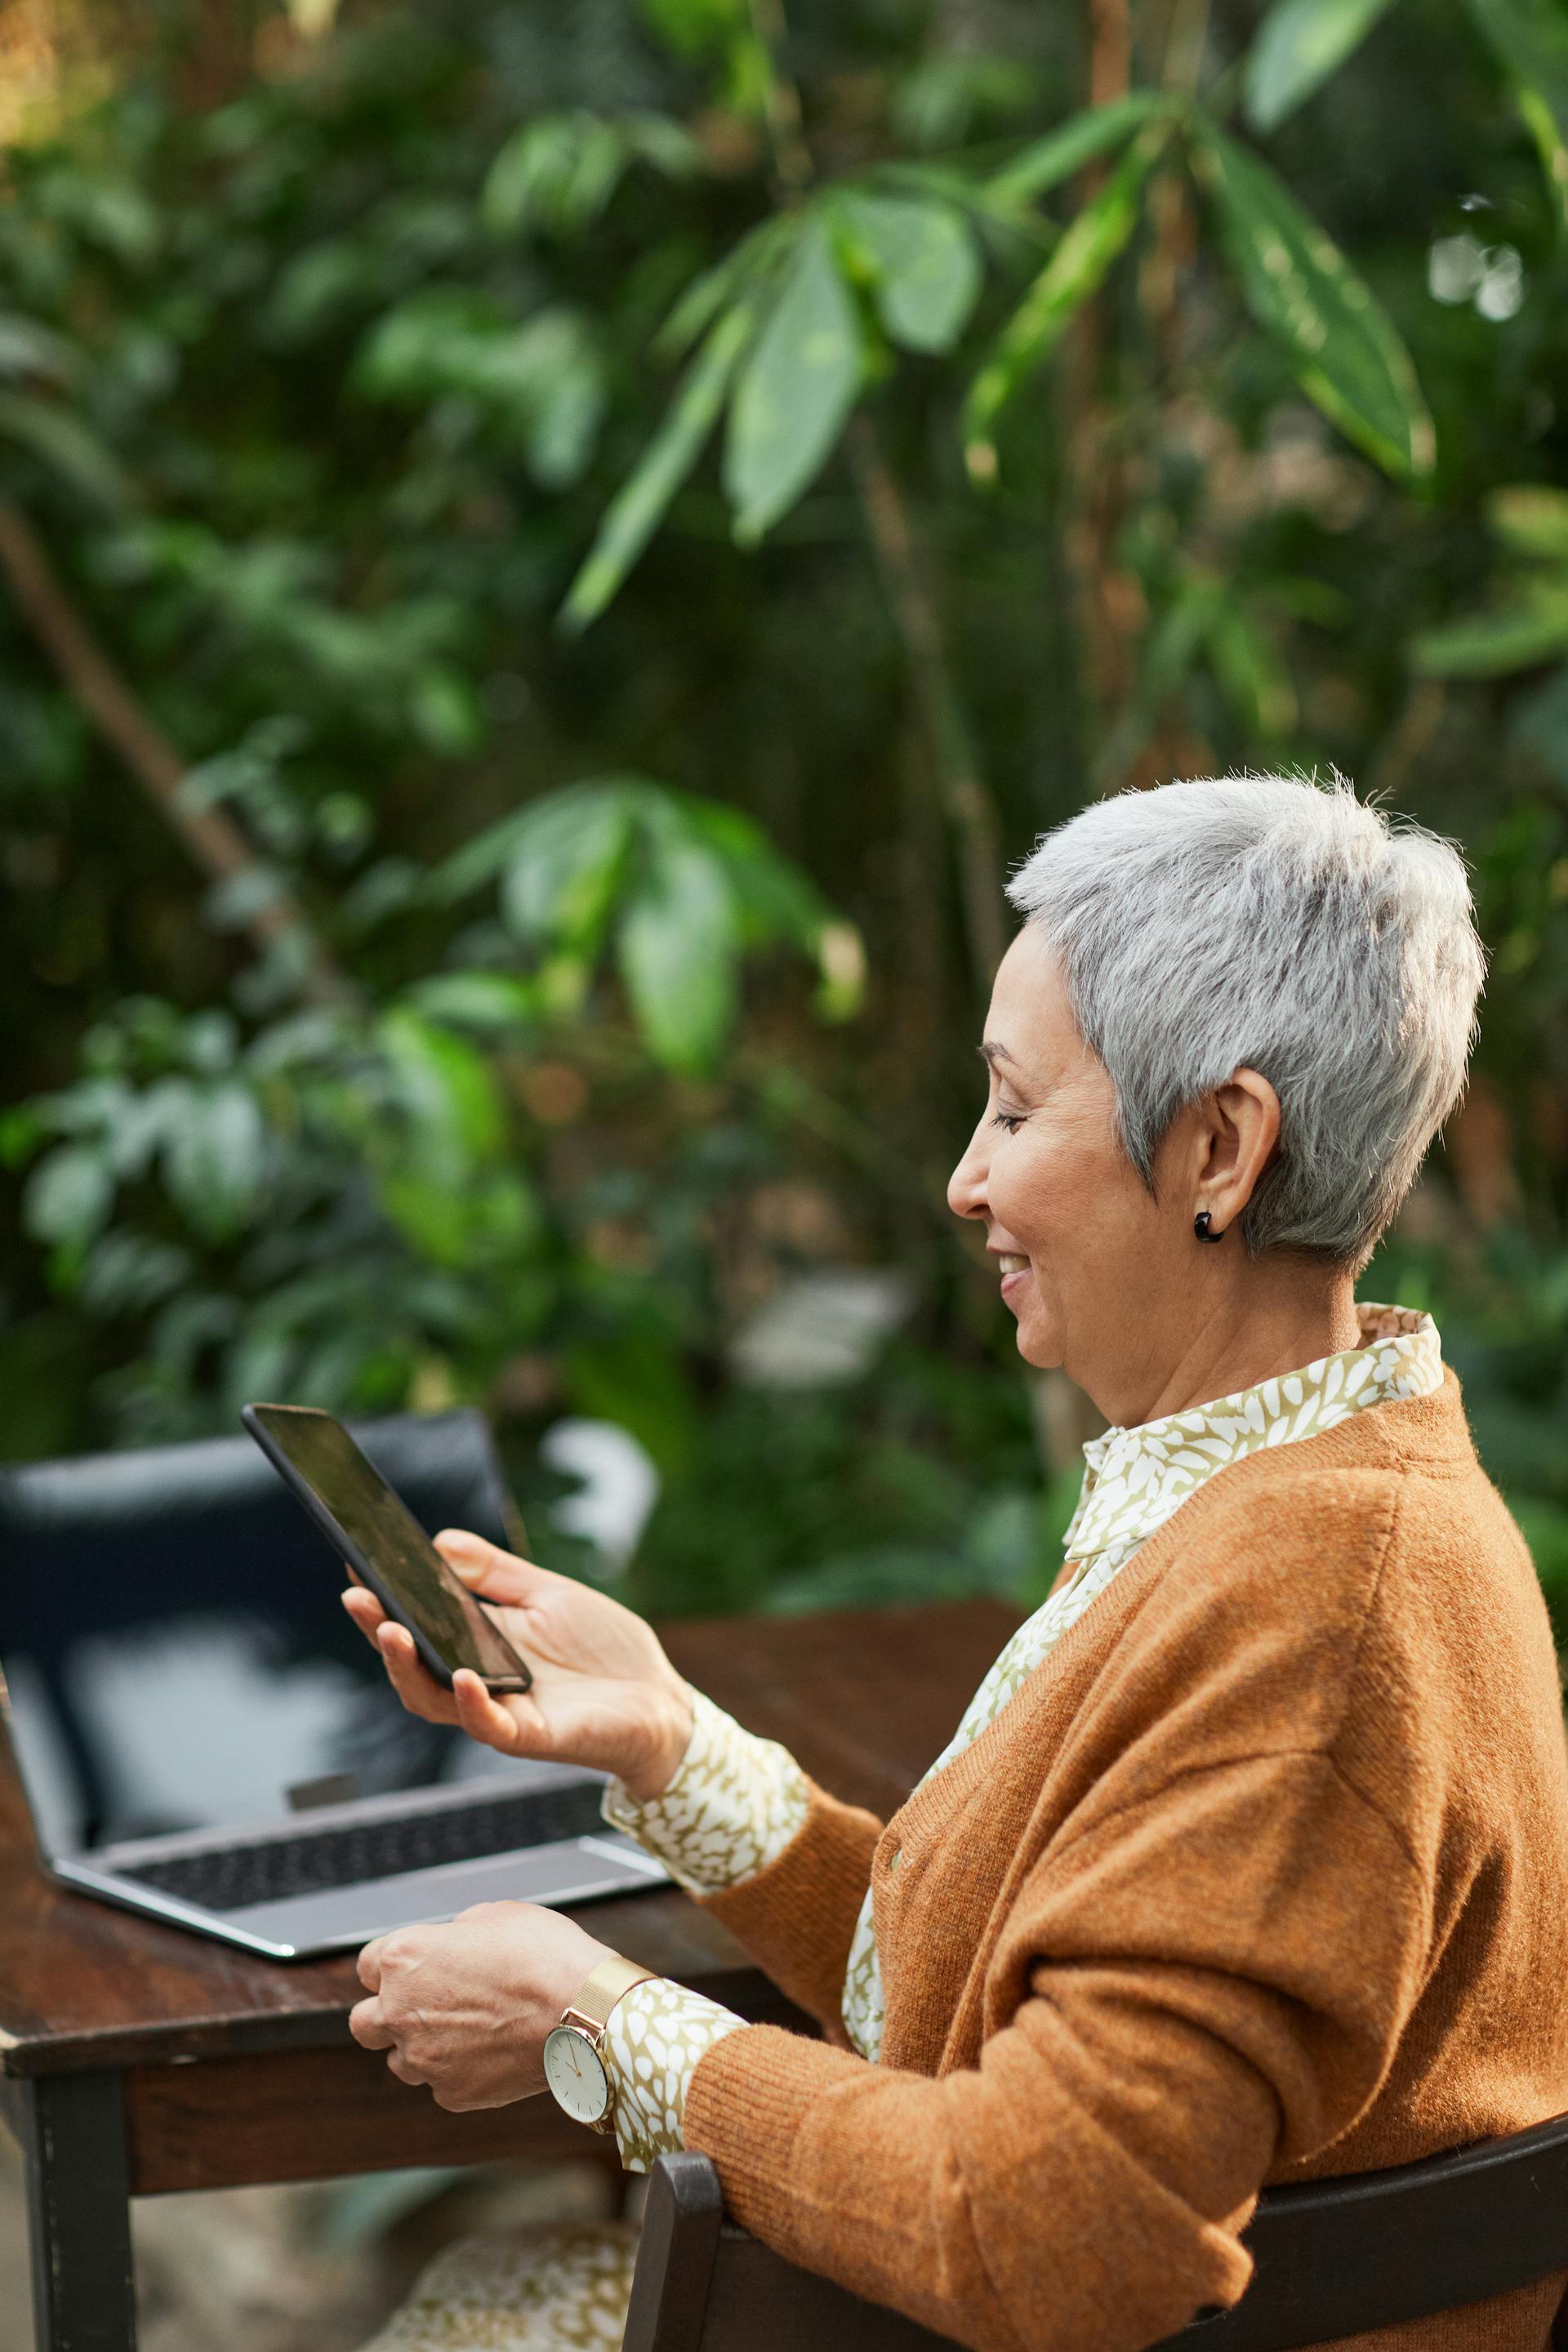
point(925, 268)
point(559, 170)
point(566, 863)
point(676, 952)
point(1078, 141)
point(67, 446)
point(448, 1094)
point(1493, 645)
point(798, 386)
point(639, 504)
point(1532, 518)
point(475, 1000)
point(1300, 289)
point(1076, 269)
point(700, 303)
point(215, 1157)
point(1299, 43)
point(68, 1197)
point(556, 172)
point(773, 900)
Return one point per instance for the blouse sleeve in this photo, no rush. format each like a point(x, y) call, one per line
point(656, 2035)
point(735, 1804)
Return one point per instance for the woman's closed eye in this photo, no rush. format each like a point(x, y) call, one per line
point(1011, 1119)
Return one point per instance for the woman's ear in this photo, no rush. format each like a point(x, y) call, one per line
point(1242, 1126)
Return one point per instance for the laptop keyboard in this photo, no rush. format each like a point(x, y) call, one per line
point(310, 1861)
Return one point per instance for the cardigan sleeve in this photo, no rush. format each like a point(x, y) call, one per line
point(797, 1917)
point(1162, 2028)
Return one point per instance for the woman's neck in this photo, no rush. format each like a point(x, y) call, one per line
point(1268, 1321)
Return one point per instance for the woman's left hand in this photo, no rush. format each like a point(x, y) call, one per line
point(465, 2008)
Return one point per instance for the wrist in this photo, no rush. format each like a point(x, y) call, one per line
point(668, 1738)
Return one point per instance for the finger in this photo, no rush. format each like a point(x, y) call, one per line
point(369, 2026)
point(406, 2070)
point(421, 1694)
point(486, 1569)
point(365, 1609)
point(368, 1965)
point(515, 1730)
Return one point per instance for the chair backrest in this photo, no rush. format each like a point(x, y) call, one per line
point(1333, 2258)
point(116, 1542)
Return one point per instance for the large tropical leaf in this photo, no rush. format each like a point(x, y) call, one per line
point(560, 859)
point(637, 506)
point(1075, 271)
point(1299, 43)
point(1048, 161)
point(1347, 356)
point(798, 385)
point(925, 268)
point(677, 951)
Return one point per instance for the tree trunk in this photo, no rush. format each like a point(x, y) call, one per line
point(213, 842)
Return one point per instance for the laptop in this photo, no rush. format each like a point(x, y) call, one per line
point(202, 1736)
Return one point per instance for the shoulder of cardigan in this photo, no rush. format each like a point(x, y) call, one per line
point(1425, 1434)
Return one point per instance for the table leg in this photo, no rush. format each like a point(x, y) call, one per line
point(72, 2130)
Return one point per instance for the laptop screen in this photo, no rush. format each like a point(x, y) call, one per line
point(193, 1668)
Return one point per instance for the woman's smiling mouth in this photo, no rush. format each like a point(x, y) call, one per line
point(1013, 1269)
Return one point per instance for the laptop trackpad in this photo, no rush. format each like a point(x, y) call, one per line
point(568, 1871)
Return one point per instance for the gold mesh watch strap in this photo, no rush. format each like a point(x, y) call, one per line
point(599, 1992)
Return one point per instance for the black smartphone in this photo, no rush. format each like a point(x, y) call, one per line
point(378, 1535)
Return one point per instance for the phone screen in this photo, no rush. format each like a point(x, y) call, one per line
point(320, 1459)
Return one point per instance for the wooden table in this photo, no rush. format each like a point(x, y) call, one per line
point(137, 2059)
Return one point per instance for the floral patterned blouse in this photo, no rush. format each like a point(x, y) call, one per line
point(736, 1801)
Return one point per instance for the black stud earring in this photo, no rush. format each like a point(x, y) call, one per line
point(1202, 1225)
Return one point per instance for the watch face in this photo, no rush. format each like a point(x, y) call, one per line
point(575, 2072)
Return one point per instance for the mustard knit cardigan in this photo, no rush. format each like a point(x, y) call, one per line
point(1261, 1876)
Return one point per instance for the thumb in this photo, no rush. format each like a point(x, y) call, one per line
point(486, 1570)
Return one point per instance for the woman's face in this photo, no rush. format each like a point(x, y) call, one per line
point(1085, 1254)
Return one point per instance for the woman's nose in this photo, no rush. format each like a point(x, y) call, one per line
point(966, 1185)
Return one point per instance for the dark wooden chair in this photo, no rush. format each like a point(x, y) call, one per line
point(1334, 2258)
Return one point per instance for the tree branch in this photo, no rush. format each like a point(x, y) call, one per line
point(213, 840)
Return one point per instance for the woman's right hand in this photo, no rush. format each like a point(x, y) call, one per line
point(603, 1693)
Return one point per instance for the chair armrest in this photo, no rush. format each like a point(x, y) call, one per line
point(702, 2280)
point(676, 2255)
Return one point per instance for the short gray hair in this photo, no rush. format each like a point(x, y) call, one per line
point(1266, 922)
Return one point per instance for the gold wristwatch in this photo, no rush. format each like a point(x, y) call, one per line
point(574, 2066)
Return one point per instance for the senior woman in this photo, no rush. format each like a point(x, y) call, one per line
point(1248, 1860)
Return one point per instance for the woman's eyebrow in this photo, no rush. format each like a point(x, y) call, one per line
point(994, 1052)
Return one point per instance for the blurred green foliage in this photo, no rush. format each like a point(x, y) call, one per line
point(624, 519)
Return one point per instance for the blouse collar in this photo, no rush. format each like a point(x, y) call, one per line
point(1135, 1478)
